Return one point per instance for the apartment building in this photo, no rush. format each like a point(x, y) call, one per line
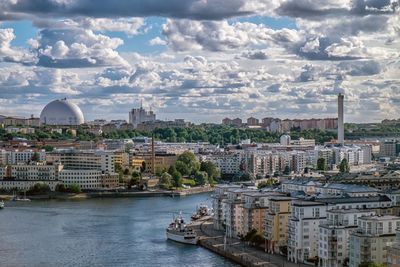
point(219, 195)
point(394, 252)
point(84, 160)
point(253, 212)
point(304, 222)
point(20, 156)
point(233, 208)
point(24, 176)
point(370, 242)
point(334, 235)
point(276, 223)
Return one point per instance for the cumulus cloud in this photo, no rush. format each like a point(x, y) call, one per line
point(9, 53)
point(193, 9)
point(157, 41)
point(71, 48)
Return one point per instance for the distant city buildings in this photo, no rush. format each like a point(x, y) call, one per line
point(278, 125)
point(140, 115)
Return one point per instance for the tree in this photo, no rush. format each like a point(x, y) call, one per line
point(165, 181)
point(135, 178)
point(182, 167)
point(35, 157)
point(177, 179)
point(344, 166)
point(171, 169)
point(39, 189)
point(143, 167)
point(287, 170)
point(190, 160)
point(210, 168)
point(126, 171)
point(74, 188)
point(201, 178)
point(321, 164)
point(48, 148)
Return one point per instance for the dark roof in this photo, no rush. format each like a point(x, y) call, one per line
point(333, 200)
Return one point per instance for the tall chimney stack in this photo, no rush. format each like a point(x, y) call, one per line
point(153, 155)
point(340, 120)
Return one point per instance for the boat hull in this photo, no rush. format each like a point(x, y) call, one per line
point(182, 239)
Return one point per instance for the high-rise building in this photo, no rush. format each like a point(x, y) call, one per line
point(340, 120)
point(140, 115)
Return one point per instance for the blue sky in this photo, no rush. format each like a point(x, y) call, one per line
point(201, 60)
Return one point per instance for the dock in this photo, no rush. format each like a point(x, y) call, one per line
point(236, 250)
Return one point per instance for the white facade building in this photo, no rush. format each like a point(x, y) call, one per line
point(304, 230)
point(334, 235)
point(369, 244)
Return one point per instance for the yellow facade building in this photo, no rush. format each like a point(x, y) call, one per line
point(276, 223)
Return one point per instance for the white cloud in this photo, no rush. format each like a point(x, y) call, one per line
point(9, 53)
point(157, 41)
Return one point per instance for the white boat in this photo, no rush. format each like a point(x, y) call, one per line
point(179, 232)
point(16, 198)
point(201, 212)
point(2, 204)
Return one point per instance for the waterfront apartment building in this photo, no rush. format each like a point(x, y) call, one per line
point(32, 171)
point(219, 195)
point(253, 212)
point(24, 176)
point(86, 179)
point(334, 235)
point(233, 210)
point(276, 223)
point(304, 222)
point(394, 252)
point(84, 160)
point(370, 242)
point(20, 156)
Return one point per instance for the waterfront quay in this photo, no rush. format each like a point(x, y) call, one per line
point(235, 249)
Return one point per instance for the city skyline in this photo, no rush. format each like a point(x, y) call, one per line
point(202, 61)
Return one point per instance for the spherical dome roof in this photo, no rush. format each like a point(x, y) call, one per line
point(61, 112)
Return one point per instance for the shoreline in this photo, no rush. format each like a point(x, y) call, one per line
point(236, 250)
point(106, 194)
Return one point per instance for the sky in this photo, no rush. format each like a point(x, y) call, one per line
point(202, 60)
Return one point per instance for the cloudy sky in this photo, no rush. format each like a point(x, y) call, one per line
point(202, 60)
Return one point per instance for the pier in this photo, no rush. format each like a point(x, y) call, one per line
point(235, 249)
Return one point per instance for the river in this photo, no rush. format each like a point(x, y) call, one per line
point(99, 232)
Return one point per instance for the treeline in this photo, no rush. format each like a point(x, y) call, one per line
point(214, 134)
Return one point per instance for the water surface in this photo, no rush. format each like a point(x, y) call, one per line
point(99, 232)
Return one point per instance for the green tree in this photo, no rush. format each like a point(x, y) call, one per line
point(177, 179)
point(287, 170)
point(182, 167)
point(74, 188)
point(35, 157)
point(165, 181)
point(190, 160)
point(344, 166)
point(48, 148)
point(201, 178)
point(39, 189)
point(143, 167)
point(211, 169)
point(321, 164)
point(135, 178)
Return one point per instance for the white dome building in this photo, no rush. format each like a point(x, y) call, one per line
point(61, 112)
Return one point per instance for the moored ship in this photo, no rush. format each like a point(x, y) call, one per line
point(179, 232)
